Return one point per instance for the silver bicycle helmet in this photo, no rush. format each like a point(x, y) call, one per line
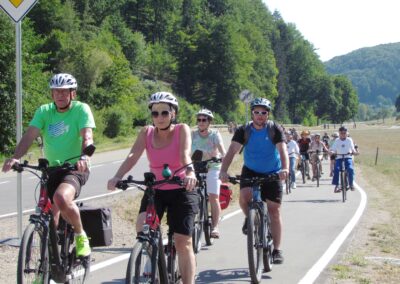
point(63, 81)
point(163, 97)
point(205, 112)
point(261, 102)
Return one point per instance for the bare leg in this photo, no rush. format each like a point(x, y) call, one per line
point(187, 261)
point(274, 210)
point(215, 208)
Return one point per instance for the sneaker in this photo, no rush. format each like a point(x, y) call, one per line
point(337, 189)
point(308, 177)
point(244, 228)
point(215, 233)
point(277, 256)
point(82, 245)
point(352, 187)
point(313, 179)
point(294, 185)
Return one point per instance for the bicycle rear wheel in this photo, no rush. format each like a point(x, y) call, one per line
point(254, 245)
point(174, 274)
point(267, 252)
point(140, 267)
point(197, 231)
point(79, 268)
point(33, 258)
point(318, 174)
point(303, 171)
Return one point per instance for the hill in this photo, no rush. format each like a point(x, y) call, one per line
point(373, 71)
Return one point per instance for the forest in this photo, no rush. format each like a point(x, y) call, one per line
point(204, 51)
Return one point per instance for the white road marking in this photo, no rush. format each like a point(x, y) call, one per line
point(320, 265)
point(3, 182)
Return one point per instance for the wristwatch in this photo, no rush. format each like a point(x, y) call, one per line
point(190, 168)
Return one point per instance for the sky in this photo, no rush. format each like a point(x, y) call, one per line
point(337, 27)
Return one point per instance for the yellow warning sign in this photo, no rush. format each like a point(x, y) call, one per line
point(16, 3)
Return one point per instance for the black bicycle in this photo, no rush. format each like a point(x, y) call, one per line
point(303, 167)
point(151, 261)
point(203, 220)
point(288, 184)
point(46, 252)
point(259, 236)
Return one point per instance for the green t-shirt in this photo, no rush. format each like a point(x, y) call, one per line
point(61, 130)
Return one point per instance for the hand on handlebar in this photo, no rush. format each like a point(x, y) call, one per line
point(112, 183)
point(8, 164)
point(190, 181)
point(223, 176)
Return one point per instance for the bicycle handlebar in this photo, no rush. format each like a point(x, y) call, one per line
point(43, 166)
point(149, 181)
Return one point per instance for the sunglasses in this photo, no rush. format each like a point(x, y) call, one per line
point(256, 112)
point(164, 113)
point(202, 120)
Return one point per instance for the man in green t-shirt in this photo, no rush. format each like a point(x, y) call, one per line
point(66, 127)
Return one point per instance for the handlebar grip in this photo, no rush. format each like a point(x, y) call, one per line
point(17, 167)
point(121, 185)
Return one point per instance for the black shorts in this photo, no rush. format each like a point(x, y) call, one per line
point(306, 155)
point(181, 207)
point(74, 178)
point(272, 191)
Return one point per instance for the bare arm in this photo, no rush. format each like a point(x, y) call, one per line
point(130, 161)
point(186, 143)
point(234, 148)
point(26, 141)
point(282, 149)
point(87, 139)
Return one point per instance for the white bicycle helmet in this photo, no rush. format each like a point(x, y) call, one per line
point(261, 102)
point(205, 112)
point(63, 81)
point(163, 97)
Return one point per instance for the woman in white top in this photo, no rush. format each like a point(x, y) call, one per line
point(293, 152)
point(316, 150)
point(211, 144)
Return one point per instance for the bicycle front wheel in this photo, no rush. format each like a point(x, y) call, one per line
point(303, 171)
point(140, 267)
point(33, 258)
point(318, 174)
point(343, 186)
point(254, 245)
point(207, 225)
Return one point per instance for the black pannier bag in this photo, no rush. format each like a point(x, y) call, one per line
point(97, 225)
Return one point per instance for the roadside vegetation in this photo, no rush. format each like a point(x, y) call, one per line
point(373, 255)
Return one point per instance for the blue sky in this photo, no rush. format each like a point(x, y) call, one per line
point(337, 27)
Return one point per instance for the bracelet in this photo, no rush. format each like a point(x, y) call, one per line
point(190, 168)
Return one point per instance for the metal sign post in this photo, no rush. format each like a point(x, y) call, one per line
point(17, 9)
point(246, 96)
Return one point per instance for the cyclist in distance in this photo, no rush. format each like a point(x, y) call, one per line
point(304, 145)
point(316, 145)
point(343, 145)
point(293, 152)
point(169, 143)
point(66, 127)
point(262, 155)
point(211, 144)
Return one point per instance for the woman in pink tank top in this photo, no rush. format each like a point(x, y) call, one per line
point(168, 143)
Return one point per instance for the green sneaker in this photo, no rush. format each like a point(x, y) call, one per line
point(82, 246)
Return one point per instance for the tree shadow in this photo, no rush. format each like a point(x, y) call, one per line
point(316, 201)
point(225, 276)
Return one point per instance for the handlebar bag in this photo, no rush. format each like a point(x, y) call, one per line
point(97, 225)
point(225, 195)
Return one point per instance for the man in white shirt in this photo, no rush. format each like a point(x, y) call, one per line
point(343, 146)
point(293, 152)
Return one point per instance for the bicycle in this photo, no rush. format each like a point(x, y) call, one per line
point(303, 167)
point(343, 176)
point(203, 220)
point(47, 252)
point(150, 260)
point(259, 236)
point(318, 166)
point(288, 184)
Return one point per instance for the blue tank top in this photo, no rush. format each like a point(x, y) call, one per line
point(260, 154)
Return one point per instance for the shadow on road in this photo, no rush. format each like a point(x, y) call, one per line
point(225, 276)
point(114, 281)
point(315, 201)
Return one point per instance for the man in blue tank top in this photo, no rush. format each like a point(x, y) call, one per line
point(265, 152)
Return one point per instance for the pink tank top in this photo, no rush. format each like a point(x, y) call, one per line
point(169, 154)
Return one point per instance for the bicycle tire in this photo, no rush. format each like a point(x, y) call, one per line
point(28, 265)
point(343, 186)
point(207, 225)
point(174, 274)
point(197, 231)
point(318, 174)
point(254, 249)
point(303, 171)
point(139, 269)
point(79, 268)
point(267, 252)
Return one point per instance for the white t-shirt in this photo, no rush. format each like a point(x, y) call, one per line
point(343, 147)
point(293, 148)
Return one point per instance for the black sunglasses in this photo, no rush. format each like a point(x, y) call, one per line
point(164, 113)
point(202, 120)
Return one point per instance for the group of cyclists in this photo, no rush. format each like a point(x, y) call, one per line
point(66, 126)
point(313, 147)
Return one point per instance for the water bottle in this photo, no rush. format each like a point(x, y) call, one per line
point(166, 173)
point(147, 263)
